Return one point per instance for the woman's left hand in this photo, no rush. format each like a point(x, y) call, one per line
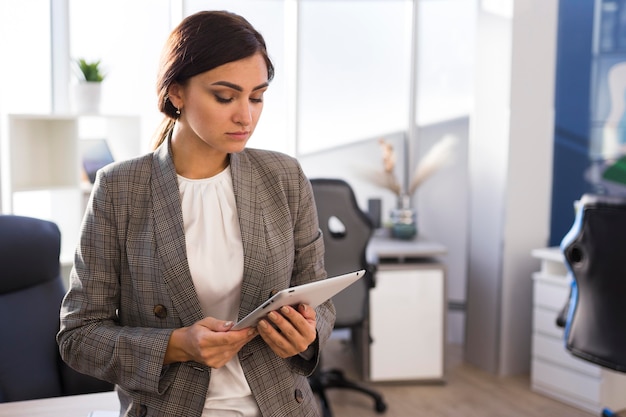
point(289, 331)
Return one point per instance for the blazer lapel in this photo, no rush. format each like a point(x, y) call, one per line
point(170, 237)
point(250, 211)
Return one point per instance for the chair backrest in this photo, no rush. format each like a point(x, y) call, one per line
point(30, 295)
point(346, 230)
point(595, 254)
point(31, 291)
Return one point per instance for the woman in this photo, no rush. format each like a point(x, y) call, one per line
point(178, 244)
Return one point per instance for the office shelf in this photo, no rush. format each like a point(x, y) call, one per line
point(42, 173)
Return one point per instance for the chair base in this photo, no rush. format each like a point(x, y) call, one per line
point(333, 378)
point(610, 413)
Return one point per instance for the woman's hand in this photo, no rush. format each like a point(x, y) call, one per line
point(207, 341)
point(289, 331)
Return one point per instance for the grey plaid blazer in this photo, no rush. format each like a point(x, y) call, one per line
point(131, 285)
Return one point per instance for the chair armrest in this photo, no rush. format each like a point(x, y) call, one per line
point(370, 274)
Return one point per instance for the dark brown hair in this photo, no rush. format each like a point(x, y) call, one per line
point(201, 42)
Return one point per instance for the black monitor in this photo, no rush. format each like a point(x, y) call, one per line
point(95, 155)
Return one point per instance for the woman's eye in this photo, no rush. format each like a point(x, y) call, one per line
point(226, 100)
point(221, 99)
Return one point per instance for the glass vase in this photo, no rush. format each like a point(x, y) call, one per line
point(403, 219)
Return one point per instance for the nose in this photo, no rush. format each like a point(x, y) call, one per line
point(243, 115)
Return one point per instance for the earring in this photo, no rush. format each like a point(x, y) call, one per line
point(177, 111)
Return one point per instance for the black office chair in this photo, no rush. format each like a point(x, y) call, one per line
point(595, 256)
point(346, 231)
point(31, 291)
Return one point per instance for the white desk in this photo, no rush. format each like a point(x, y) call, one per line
point(407, 310)
point(383, 248)
point(70, 406)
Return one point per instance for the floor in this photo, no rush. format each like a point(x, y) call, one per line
point(466, 392)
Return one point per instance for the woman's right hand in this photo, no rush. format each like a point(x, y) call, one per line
point(207, 341)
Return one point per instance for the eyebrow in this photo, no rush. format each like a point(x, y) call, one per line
point(238, 87)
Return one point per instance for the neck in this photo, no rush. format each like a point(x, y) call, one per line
point(198, 168)
point(195, 159)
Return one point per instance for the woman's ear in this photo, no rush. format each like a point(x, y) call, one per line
point(175, 93)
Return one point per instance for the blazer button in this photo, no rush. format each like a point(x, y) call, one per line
point(142, 411)
point(299, 396)
point(273, 293)
point(160, 311)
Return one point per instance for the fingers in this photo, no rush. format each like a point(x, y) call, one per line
point(287, 331)
point(306, 311)
point(214, 344)
point(216, 325)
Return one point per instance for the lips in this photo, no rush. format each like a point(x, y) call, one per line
point(239, 135)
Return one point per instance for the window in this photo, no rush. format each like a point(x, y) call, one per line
point(127, 36)
point(354, 72)
point(25, 48)
point(343, 66)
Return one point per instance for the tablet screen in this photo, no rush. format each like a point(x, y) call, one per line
point(313, 294)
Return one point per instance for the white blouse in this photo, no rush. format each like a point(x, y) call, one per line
point(215, 255)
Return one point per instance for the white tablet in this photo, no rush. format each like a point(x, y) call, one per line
point(313, 294)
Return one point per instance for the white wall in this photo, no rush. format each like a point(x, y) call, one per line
point(488, 154)
point(442, 203)
point(510, 180)
point(530, 172)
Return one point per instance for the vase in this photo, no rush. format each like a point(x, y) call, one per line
point(403, 219)
point(87, 97)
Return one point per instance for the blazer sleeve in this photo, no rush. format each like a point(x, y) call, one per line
point(91, 338)
point(280, 227)
point(309, 266)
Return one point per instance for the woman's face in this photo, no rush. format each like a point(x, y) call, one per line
point(221, 107)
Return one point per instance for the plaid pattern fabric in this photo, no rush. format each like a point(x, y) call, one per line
point(131, 261)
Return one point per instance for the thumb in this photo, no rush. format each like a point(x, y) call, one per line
point(306, 311)
point(216, 325)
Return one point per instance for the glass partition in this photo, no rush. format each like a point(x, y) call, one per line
point(353, 72)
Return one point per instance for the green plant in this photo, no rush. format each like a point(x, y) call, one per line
point(90, 70)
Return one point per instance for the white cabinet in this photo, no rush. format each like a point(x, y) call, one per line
point(407, 310)
point(42, 172)
point(554, 371)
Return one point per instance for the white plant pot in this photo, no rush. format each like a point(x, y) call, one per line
point(87, 97)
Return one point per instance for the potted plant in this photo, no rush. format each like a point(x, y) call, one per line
point(88, 91)
point(90, 71)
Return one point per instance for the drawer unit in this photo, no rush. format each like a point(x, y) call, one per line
point(555, 372)
point(550, 349)
point(550, 295)
point(544, 322)
point(572, 387)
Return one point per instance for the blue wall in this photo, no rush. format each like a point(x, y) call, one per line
point(572, 112)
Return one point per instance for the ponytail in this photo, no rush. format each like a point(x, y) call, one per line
point(162, 132)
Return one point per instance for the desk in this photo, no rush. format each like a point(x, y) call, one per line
point(407, 309)
point(70, 406)
point(383, 248)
